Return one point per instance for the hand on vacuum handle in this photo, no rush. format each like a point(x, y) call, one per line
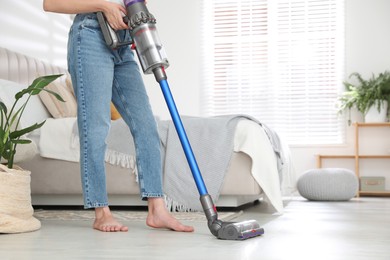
point(110, 35)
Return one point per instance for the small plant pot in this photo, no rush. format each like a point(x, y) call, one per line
point(375, 116)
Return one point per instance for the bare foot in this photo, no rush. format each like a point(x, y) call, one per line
point(159, 217)
point(105, 221)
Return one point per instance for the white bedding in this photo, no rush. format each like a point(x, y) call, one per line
point(251, 139)
point(57, 141)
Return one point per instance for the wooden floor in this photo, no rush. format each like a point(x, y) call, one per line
point(358, 229)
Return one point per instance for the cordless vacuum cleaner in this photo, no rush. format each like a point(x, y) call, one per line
point(153, 59)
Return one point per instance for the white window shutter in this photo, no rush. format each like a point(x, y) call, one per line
point(281, 62)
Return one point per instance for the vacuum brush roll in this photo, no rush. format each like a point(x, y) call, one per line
point(240, 230)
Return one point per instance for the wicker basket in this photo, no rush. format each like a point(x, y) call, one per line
point(16, 211)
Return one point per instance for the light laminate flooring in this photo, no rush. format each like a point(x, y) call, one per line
point(357, 229)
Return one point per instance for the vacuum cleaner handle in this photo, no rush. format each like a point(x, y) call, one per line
point(110, 35)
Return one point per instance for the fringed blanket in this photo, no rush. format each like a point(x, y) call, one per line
point(212, 142)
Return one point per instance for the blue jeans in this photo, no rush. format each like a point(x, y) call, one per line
point(101, 75)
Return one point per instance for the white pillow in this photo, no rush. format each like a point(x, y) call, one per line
point(35, 111)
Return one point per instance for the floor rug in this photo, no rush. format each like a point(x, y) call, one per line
point(126, 215)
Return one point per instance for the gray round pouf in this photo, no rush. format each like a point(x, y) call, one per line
point(329, 184)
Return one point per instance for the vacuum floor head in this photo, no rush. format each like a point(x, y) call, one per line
point(240, 230)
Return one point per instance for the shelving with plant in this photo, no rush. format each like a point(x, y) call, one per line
point(365, 93)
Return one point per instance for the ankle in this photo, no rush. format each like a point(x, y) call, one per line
point(155, 203)
point(102, 212)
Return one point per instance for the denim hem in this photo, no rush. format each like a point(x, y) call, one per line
point(95, 205)
point(147, 195)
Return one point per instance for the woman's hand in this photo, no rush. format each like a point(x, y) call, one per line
point(114, 14)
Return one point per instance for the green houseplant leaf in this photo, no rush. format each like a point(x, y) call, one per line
point(365, 92)
point(10, 135)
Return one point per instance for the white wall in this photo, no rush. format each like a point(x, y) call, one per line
point(25, 27)
point(178, 23)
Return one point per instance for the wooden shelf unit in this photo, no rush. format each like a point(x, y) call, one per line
point(357, 156)
point(375, 193)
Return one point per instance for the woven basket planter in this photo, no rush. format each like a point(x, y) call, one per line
point(16, 211)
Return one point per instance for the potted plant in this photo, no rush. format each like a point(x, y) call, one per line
point(372, 95)
point(16, 214)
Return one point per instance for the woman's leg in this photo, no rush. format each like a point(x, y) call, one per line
point(130, 98)
point(92, 68)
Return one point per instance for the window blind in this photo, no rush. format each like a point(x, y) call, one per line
point(280, 61)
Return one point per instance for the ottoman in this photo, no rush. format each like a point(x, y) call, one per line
point(328, 184)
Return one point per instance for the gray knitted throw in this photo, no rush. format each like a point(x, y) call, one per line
point(212, 141)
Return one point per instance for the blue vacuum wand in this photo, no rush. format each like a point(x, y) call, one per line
point(153, 59)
